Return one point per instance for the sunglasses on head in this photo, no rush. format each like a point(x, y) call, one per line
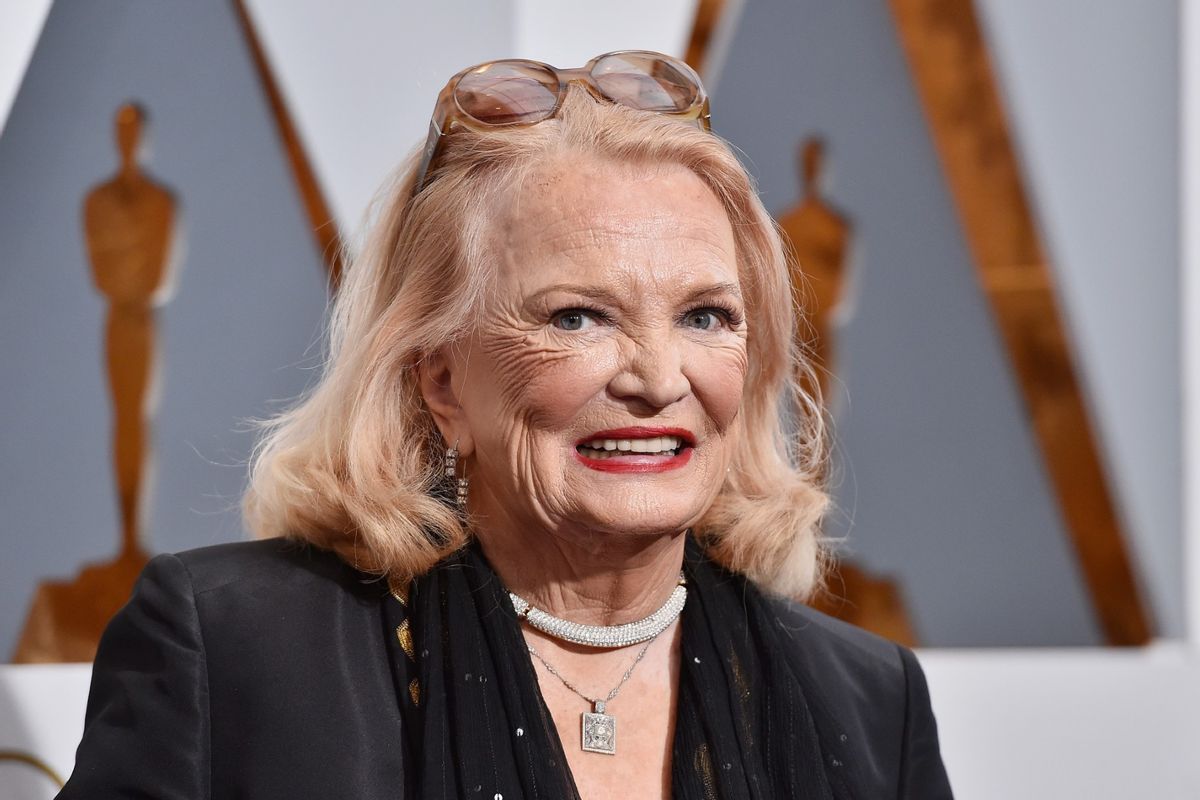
point(517, 92)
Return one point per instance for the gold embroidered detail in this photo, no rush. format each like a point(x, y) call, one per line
point(404, 634)
point(702, 764)
point(414, 691)
point(399, 590)
point(742, 685)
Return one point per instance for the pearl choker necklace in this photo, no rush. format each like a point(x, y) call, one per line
point(624, 635)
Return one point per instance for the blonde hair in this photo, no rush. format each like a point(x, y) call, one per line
point(355, 465)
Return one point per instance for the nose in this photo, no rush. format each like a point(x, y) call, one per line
point(652, 371)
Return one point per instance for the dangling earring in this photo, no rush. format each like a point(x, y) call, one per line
point(463, 483)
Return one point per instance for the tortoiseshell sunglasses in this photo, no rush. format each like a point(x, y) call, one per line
point(515, 92)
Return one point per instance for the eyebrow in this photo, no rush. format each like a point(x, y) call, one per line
point(606, 296)
point(725, 287)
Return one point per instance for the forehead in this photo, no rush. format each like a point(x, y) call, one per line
point(602, 221)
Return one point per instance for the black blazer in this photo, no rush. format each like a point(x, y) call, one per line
point(259, 670)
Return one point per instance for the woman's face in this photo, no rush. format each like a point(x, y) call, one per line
point(601, 388)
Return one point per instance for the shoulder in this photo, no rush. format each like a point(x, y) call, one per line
point(832, 643)
point(277, 608)
point(247, 565)
point(870, 694)
point(249, 597)
point(269, 636)
point(859, 674)
point(854, 682)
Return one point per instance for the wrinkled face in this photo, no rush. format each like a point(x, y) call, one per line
point(600, 391)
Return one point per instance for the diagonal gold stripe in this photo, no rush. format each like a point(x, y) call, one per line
point(953, 74)
point(708, 14)
point(324, 226)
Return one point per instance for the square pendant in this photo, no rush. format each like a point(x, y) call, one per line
point(599, 733)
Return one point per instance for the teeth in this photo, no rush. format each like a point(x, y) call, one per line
point(604, 448)
point(646, 445)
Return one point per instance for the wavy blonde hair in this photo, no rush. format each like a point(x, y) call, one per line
point(355, 465)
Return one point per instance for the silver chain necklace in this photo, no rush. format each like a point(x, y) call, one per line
point(598, 729)
point(605, 635)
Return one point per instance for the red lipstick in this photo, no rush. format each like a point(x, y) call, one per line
point(641, 433)
point(627, 461)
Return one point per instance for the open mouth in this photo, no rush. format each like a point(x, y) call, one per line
point(601, 449)
point(636, 449)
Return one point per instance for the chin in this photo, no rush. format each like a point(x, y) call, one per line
point(642, 519)
point(641, 499)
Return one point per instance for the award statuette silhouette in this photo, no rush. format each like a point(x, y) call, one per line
point(129, 225)
point(820, 239)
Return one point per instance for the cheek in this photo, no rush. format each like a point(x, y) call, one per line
point(539, 386)
point(718, 376)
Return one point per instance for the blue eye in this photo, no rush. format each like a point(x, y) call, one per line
point(574, 319)
point(711, 318)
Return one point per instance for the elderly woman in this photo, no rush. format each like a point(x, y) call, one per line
point(533, 533)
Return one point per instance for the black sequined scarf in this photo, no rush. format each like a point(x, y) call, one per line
point(477, 726)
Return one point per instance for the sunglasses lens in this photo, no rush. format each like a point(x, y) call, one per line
point(503, 93)
point(647, 82)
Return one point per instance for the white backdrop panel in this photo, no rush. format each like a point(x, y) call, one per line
point(361, 77)
point(20, 24)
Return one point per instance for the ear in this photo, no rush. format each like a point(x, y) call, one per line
point(436, 382)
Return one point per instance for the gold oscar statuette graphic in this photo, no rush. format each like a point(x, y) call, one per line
point(820, 238)
point(129, 222)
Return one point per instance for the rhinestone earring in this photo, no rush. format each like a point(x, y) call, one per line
point(462, 483)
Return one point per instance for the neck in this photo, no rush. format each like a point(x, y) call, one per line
point(584, 576)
